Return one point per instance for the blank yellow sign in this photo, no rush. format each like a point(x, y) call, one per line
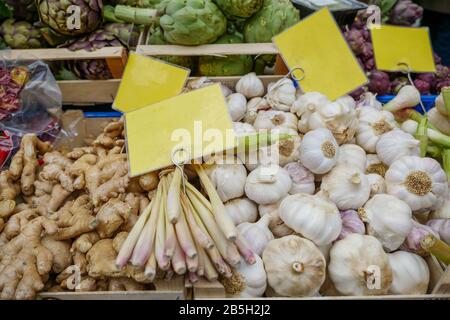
point(395, 47)
point(317, 46)
point(146, 81)
point(197, 121)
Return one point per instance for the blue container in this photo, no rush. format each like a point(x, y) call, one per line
point(109, 114)
point(428, 101)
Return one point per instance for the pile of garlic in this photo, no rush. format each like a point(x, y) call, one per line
point(348, 206)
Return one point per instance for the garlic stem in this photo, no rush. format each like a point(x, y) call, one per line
point(446, 162)
point(260, 140)
point(446, 97)
point(355, 179)
point(437, 248)
point(421, 135)
point(434, 151)
point(173, 197)
point(435, 136)
point(298, 267)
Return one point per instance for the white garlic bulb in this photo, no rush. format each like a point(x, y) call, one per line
point(313, 217)
point(359, 266)
point(264, 209)
point(377, 184)
point(281, 94)
point(371, 126)
point(242, 210)
point(242, 129)
point(267, 185)
point(420, 182)
point(294, 266)
point(337, 117)
point(375, 165)
point(237, 106)
point(440, 105)
point(396, 144)
point(250, 86)
point(253, 106)
point(347, 100)
point(272, 119)
point(348, 187)
point(368, 99)
point(257, 234)
point(352, 155)
point(247, 281)
point(440, 121)
point(228, 179)
point(319, 151)
point(305, 105)
point(410, 273)
point(302, 178)
point(288, 149)
point(388, 219)
point(443, 209)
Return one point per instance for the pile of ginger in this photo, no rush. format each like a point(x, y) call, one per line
point(64, 217)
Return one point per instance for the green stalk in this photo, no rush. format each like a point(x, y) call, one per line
point(437, 248)
point(434, 151)
point(421, 135)
point(446, 162)
point(446, 96)
point(417, 117)
point(439, 138)
point(260, 140)
point(109, 14)
point(136, 15)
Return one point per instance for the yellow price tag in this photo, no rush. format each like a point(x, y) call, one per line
point(196, 122)
point(146, 81)
point(319, 57)
point(399, 48)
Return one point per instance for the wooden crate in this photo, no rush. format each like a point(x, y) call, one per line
point(174, 289)
point(439, 288)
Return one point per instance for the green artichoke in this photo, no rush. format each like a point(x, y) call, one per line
point(155, 37)
point(24, 9)
point(126, 33)
point(229, 66)
point(21, 35)
point(53, 13)
point(274, 17)
point(192, 22)
point(239, 8)
point(156, 4)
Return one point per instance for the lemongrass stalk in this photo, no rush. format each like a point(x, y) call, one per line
point(179, 260)
point(446, 95)
point(223, 219)
point(169, 273)
point(437, 248)
point(245, 249)
point(233, 257)
point(201, 260)
point(220, 265)
point(209, 243)
point(446, 162)
point(201, 238)
point(185, 238)
point(421, 135)
point(219, 239)
point(144, 16)
point(150, 267)
point(192, 263)
point(144, 244)
point(210, 272)
point(161, 259)
point(193, 277)
point(173, 197)
point(171, 239)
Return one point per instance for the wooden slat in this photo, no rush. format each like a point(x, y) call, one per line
point(208, 49)
point(204, 289)
point(65, 54)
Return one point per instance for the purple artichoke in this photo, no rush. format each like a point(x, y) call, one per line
point(405, 13)
point(356, 94)
point(437, 58)
point(424, 87)
point(379, 82)
point(398, 83)
point(96, 40)
point(91, 70)
point(442, 84)
point(442, 72)
point(355, 40)
point(369, 64)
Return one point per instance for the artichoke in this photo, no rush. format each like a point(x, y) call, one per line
point(54, 14)
point(125, 32)
point(239, 8)
point(94, 41)
point(405, 13)
point(23, 9)
point(90, 69)
point(192, 22)
point(156, 4)
point(21, 35)
point(156, 38)
point(229, 66)
point(274, 17)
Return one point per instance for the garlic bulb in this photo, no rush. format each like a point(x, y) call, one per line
point(409, 126)
point(313, 217)
point(288, 149)
point(294, 266)
point(351, 223)
point(319, 151)
point(388, 219)
point(277, 226)
point(417, 233)
point(348, 187)
point(272, 119)
point(359, 266)
point(420, 182)
point(377, 184)
point(242, 129)
point(396, 144)
point(410, 273)
point(305, 105)
point(440, 121)
point(443, 210)
point(368, 99)
point(374, 165)
point(228, 179)
point(347, 100)
point(250, 86)
point(281, 94)
point(352, 155)
point(267, 185)
point(302, 178)
point(441, 227)
point(257, 234)
point(237, 106)
point(253, 106)
point(264, 209)
point(372, 124)
point(241, 210)
point(247, 281)
point(440, 105)
point(337, 117)
point(407, 97)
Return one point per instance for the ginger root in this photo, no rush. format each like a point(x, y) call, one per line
point(62, 257)
point(111, 216)
point(124, 284)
